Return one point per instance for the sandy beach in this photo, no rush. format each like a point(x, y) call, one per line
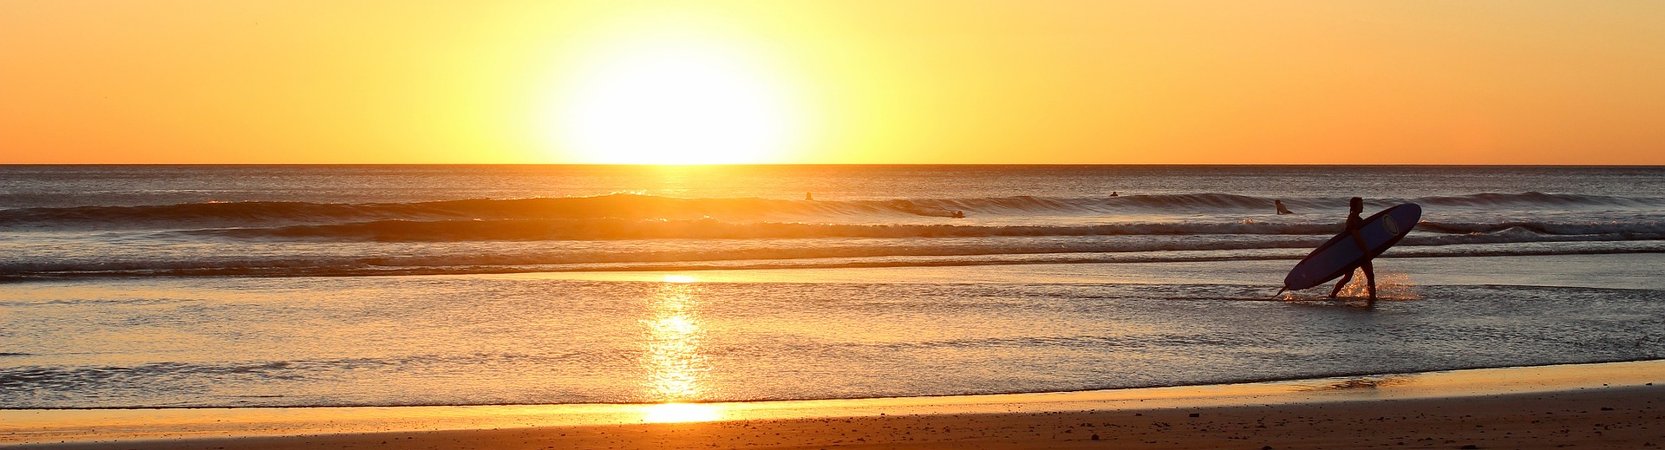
point(1613, 405)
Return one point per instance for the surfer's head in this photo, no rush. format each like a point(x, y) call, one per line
point(1356, 204)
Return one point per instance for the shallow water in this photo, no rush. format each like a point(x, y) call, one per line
point(794, 334)
point(125, 286)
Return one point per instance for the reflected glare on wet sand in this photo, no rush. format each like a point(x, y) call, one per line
point(79, 425)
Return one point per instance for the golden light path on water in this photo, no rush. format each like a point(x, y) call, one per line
point(672, 360)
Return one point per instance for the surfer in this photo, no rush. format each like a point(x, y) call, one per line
point(1354, 207)
point(1281, 209)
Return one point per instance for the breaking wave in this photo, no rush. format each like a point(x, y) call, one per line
point(638, 232)
point(439, 262)
point(610, 229)
point(618, 229)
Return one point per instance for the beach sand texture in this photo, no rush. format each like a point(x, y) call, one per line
point(1602, 418)
point(1569, 406)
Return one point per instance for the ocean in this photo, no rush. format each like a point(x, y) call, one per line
point(232, 286)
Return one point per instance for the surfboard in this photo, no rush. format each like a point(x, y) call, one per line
point(1340, 255)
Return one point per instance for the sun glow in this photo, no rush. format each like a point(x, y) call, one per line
point(675, 98)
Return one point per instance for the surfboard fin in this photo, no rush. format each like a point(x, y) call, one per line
point(1280, 292)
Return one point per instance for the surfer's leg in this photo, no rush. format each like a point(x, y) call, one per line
point(1370, 279)
point(1341, 284)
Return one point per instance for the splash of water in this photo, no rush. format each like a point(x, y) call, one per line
point(1389, 286)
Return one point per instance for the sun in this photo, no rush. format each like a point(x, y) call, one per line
point(674, 100)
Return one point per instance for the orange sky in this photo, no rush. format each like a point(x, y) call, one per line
point(849, 81)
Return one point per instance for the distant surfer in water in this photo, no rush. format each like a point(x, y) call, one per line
point(1281, 209)
point(1354, 207)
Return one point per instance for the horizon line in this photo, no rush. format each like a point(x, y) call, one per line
point(6, 164)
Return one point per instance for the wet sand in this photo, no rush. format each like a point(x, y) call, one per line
point(1616, 405)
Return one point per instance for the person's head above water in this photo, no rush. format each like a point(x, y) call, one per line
point(1356, 204)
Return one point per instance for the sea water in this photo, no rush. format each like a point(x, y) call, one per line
point(166, 286)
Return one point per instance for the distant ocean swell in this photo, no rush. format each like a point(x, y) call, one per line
point(637, 232)
point(629, 206)
point(608, 229)
point(617, 229)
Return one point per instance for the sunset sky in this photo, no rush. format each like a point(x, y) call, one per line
point(850, 81)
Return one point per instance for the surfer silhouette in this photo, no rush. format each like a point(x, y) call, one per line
point(1281, 209)
point(1354, 207)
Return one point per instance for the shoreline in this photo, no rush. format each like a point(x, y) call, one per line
point(1554, 385)
point(903, 399)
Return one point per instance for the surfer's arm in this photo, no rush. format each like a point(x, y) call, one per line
point(1359, 239)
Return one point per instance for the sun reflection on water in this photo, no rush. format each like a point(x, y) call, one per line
point(672, 360)
point(680, 279)
point(680, 412)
